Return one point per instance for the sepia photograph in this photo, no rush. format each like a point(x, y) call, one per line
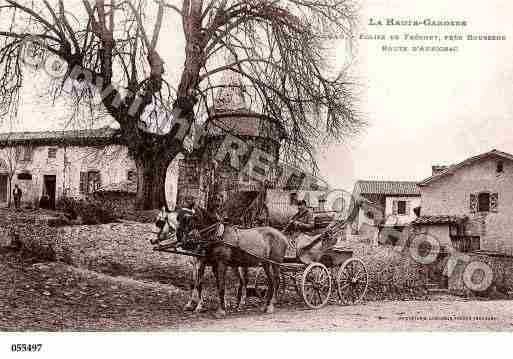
point(247, 167)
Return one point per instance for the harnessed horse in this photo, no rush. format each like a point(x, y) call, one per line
point(236, 248)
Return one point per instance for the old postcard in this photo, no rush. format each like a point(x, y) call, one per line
point(254, 165)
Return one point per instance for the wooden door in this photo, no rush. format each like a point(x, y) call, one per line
point(4, 180)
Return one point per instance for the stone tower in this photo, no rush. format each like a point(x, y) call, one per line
point(198, 175)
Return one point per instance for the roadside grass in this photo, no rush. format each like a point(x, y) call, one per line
point(55, 296)
point(393, 275)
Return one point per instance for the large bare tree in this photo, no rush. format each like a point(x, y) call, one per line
point(279, 48)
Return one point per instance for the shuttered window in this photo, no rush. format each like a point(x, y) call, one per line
point(484, 202)
point(52, 152)
point(131, 176)
point(401, 207)
point(494, 202)
point(473, 203)
point(93, 181)
point(83, 182)
point(24, 153)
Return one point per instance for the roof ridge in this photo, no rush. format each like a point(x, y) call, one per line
point(465, 162)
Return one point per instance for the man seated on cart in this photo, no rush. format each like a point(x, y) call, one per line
point(300, 223)
point(303, 220)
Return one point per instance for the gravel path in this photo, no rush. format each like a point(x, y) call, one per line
point(438, 315)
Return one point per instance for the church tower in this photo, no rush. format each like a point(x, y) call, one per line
point(231, 115)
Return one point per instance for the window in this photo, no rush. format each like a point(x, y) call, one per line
point(293, 198)
point(401, 207)
point(322, 204)
point(131, 176)
point(500, 167)
point(24, 153)
point(25, 176)
point(52, 152)
point(483, 202)
point(89, 181)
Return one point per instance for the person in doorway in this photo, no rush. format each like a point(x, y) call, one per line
point(17, 193)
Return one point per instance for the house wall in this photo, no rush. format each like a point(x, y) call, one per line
point(111, 161)
point(439, 232)
point(412, 202)
point(450, 195)
point(502, 269)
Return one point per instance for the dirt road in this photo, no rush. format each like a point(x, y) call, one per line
point(444, 314)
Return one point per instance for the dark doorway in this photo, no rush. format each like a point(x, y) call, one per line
point(48, 198)
point(4, 180)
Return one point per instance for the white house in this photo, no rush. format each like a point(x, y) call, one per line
point(65, 163)
point(389, 203)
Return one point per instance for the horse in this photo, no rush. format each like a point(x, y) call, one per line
point(238, 248)
point(171, 225)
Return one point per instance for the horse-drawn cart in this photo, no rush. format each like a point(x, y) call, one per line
point(317, 271)
point(336, 271)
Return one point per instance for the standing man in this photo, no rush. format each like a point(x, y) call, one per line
point(17, 196)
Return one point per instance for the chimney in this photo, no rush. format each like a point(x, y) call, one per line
point(436, 169)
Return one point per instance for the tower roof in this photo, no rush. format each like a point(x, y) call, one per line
point(230, 113)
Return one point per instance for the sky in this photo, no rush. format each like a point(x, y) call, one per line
point(422, 109)
point(429, 109)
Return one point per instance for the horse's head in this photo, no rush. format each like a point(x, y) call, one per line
point(167, 224)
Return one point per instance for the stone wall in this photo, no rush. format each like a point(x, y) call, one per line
point(121, 203)
point(501, 266)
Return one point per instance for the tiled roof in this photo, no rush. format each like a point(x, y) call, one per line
point(407, 188)
point(451, 169)
point(68, 136)
point(244, 123)
point(438, 220)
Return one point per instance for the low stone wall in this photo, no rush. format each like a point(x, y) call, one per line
point(121, 203)
point(501, 268)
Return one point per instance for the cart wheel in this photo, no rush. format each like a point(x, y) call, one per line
point(352, 281)
point(316, 285)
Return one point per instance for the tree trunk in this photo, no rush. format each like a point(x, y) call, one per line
point(151, 186)
point(10, 192)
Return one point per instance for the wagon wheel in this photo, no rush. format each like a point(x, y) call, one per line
point(316, 285)
point(352, 281)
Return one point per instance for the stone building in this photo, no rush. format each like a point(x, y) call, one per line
point(200, 176)
point(469, 205)
point(54, 164)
